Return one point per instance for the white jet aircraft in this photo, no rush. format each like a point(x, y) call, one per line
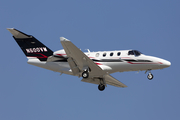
point(94, 67)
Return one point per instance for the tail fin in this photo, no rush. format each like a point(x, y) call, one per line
point(31, 47)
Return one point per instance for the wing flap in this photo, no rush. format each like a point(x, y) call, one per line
point(90, 80)
point(73, 66)
point(108, 79)
point(114, 82)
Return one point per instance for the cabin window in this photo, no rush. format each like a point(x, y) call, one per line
point(111, 54)
point(119, 53)
point(104, 54)
point(97, 54)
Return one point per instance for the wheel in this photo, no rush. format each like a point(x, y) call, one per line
point(101, 87)
point(85, 74)
point(150, 76)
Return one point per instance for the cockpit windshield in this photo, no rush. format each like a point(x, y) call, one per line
point(134, 52)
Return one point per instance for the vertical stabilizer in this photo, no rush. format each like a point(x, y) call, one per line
point(31, 47)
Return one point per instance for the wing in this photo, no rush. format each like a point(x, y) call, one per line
point(114, 82)
point(78, 61)
point(108, 80)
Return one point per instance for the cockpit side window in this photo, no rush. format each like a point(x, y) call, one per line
point(137, 53)
point(134, 52)
point(131, 53)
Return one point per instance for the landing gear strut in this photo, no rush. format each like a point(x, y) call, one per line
point(101, 86)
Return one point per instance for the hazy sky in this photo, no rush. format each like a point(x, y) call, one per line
point(31, 93)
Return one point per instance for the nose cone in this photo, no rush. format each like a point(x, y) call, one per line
point(161, 62)
point(165, 63)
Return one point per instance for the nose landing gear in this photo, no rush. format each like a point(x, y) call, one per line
point(150, 76)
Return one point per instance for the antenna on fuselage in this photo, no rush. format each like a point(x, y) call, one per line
point(88, 50)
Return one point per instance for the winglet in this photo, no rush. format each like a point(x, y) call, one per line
point(63, 39)
point(17, 33)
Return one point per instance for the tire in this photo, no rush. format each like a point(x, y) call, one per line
point(150, 76)
point(101, 87)
point(85, 74)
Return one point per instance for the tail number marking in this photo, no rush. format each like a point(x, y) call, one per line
point(34, 50)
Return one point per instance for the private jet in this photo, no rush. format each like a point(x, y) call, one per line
point(93, 67)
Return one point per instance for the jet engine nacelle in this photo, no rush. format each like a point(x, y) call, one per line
point(60, 53)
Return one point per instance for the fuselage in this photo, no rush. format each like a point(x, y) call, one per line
point(110, 61)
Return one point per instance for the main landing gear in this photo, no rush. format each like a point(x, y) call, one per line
point(85, 74)
point(101, 86)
